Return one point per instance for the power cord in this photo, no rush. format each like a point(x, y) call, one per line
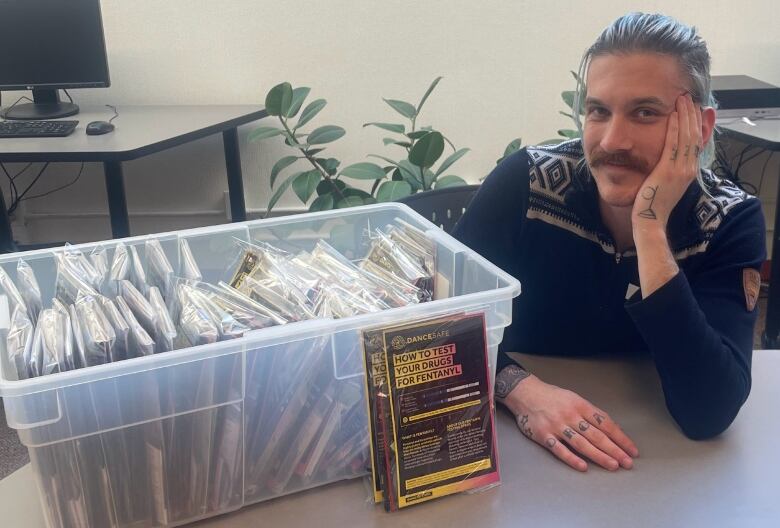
point(116, 113)
point(61, 187)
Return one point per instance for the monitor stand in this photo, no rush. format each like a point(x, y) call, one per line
point(46, 105)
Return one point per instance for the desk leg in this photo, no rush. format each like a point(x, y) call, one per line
point(771, 337)
point(7, 244)
point(234, 176)
point(117, 204)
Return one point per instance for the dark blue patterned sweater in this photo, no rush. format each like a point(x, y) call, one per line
point(536, 216)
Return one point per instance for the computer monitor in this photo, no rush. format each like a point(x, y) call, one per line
point(48, 45)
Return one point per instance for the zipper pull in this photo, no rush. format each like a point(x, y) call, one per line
point(618, 256)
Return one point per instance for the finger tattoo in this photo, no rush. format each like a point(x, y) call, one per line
point(687, 150)
point(524, 427)
point(598, 417)
point(696, 150)
point(569, 433)
point(550, 443)
point(674, 153)
point(584, 426)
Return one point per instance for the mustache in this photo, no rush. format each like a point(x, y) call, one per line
point(598, 158)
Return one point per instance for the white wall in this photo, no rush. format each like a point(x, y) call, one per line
point(504, 65)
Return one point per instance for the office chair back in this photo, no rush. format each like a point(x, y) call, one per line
point(443, 207)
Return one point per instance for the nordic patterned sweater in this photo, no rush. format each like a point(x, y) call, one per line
point(536, 216)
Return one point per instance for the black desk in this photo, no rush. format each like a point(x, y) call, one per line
point(765, 133)
point(140, 131)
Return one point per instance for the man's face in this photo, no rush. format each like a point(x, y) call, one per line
point(627, 108)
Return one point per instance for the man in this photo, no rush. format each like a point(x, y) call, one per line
point(624, 245)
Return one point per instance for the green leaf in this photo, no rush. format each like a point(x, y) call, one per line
point(312, 152)
point(397, 176)
point(427, 150)
point(305, 184)
point(393, 190)
point(325, 134)
point(570, 134)
point(376, 184)
point(447, 163)
point(331, 165)
point(364, 171)
point(279, 99)
point(349, 201)
point(280, 191)
point(574, 74)
point(322, 203)
point(392, 127)
point(298, 96)
point(402, 107)
point(513, 147)
point(330, 186)
point(261, 133)
point(568, 98)
point(427, 93)
point(449, 181)
point(411, 174)
point(280, 165)
point(311, 110)
point(391, 141)
point(428, 177)
point(417, 134)
point(566, 114)
point(388, 160)
point(351, 191)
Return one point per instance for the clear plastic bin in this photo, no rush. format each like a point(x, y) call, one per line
point(172, 438)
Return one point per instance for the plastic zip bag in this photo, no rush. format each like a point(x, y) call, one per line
point(195, 323)
point(138, 304)
point(120, 326)
point(243, 309)
point(188, 266)
point(137, 273)
point(119, 271)
point(19, 342)
point(139, 342)
point(72, 279)
point(9, 289)
point(99, 259)
point(165, 331)
point(29, 289)
point(51, 343)
point(159, 272)
point(96, 330)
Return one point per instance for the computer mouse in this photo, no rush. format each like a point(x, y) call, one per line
point(97, 128)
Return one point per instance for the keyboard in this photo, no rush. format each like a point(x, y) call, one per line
point(33, 129)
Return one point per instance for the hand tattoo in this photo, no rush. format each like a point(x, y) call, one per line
point(524, 427)
point(599, 418)
point(648, 193)
point(507, 380)
point(674, 153)
point(584, 426)
point(687, 150)
point(550, 443)
point(569, 433)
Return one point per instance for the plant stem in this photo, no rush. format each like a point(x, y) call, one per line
point(311, 159)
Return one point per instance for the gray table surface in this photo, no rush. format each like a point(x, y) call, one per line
point(136, 127)
point(728, 481)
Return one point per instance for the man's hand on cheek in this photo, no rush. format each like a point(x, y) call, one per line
point(677, 168)
point(565, 424)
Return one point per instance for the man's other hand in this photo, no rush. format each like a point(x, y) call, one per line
point(565, 423)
